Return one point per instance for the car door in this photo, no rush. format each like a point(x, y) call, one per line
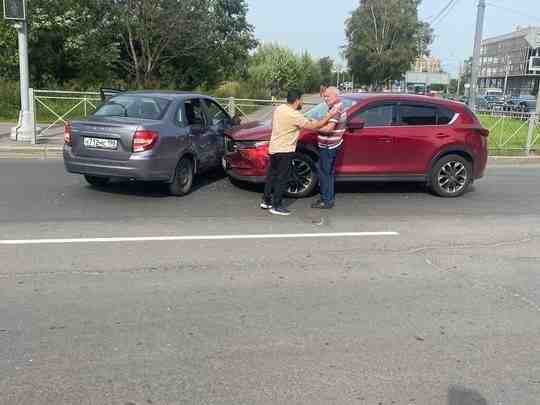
point(218, 122)
point(422, 129)
point(366, 151)
point(202, 137)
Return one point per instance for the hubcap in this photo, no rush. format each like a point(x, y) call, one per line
point(453, 177)
point(183, 174)
point(301, 177)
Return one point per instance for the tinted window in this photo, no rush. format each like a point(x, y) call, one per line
point(135, 106)
point(418, 115)
point(216, 115)
point(379, 116)
point(194, 112)
point(444, 116)
point(320, 110)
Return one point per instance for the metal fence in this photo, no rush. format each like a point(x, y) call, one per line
point(53, 108)
point(511, 131)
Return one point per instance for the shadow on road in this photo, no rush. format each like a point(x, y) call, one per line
point(157, 189)
point(463, 396)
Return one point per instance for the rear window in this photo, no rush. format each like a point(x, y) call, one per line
point(417, 115)
point(134, 106)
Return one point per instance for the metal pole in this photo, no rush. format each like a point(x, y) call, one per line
point(25, 130)
point(476, 53)
point(459, 81)
point(534, 120)
point(506, 76)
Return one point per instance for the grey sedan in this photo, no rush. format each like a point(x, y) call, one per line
point(149, 136)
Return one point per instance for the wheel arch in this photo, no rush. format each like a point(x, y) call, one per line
point(460, 151)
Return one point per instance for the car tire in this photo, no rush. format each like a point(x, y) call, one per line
point(97, 181)
point(304, 177)
point(451, 176)
point(182, 181)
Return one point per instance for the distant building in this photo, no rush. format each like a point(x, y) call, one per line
point(506, 59)
point(427, 64)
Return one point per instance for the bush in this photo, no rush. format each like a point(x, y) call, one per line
point(9, 100)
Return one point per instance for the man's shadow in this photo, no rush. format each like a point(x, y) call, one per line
point(463, 396)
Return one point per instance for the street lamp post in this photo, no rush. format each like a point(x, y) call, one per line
point(25, 131)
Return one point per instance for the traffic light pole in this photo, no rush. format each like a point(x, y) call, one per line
point(476, 54)
point(25, 130)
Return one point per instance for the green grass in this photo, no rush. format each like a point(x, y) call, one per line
point(507, 133)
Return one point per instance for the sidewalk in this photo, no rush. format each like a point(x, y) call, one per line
point(48, 147)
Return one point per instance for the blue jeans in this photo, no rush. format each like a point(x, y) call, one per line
point(327, 174)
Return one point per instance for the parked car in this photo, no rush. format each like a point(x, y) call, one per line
point(389, 137)
point(522, 103)
point(490, 102)
point(153, 136)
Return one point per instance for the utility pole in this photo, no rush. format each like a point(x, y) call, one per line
point(476, 53)
point(534, 121)
point(16, 10)
point(506, 74)
point(459, 80)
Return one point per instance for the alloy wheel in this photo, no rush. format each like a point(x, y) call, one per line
point(453, 177)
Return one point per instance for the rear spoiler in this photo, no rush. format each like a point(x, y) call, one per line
point(106, 93)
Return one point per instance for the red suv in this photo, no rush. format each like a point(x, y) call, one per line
point(388, 138)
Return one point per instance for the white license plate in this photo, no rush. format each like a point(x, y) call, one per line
point(100, 143)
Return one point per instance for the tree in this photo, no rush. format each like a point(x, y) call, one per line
point(327, 66)
point(384, 37)
point(188, 41)
point(65, 38)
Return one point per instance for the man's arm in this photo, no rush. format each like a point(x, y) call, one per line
point(314, 125)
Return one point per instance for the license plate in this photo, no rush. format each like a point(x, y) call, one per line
point(100, 143)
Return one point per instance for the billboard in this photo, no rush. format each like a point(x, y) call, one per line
point(14, 10)
point(427, 79)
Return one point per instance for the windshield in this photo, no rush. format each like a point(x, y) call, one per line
point(134, 106)
point(319, 111)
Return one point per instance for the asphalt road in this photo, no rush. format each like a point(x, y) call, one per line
point(448, 307)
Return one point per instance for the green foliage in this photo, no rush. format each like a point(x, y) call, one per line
point(326, 66)
point(273, 62)
point(384, 38)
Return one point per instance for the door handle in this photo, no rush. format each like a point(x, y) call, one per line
point(442, 136)
point(384, 139)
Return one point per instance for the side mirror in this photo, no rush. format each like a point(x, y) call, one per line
point(356, 125)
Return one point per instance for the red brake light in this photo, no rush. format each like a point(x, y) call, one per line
point(144, 140)
point(67, 133)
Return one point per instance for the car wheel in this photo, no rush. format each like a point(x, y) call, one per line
point(304, 178)
point(451, 176)
point(183, 177)
point(97, 181)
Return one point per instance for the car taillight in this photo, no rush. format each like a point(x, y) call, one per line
point(144, 140)
point(67, 133)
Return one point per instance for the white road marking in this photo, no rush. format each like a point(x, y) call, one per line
point(194, 238)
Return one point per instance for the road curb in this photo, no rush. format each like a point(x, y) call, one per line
point(31, 152)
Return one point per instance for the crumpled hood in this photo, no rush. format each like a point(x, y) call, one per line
point(251, 131)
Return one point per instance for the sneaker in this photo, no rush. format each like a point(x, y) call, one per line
point(280, 211)
point(265, 205)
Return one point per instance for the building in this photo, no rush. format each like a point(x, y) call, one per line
point(506, 62)
point(427, 64)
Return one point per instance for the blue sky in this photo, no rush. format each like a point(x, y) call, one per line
point(318, 26)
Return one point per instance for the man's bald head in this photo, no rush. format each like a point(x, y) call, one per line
point(331, 95)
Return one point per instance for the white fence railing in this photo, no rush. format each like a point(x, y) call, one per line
point(510, 131)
